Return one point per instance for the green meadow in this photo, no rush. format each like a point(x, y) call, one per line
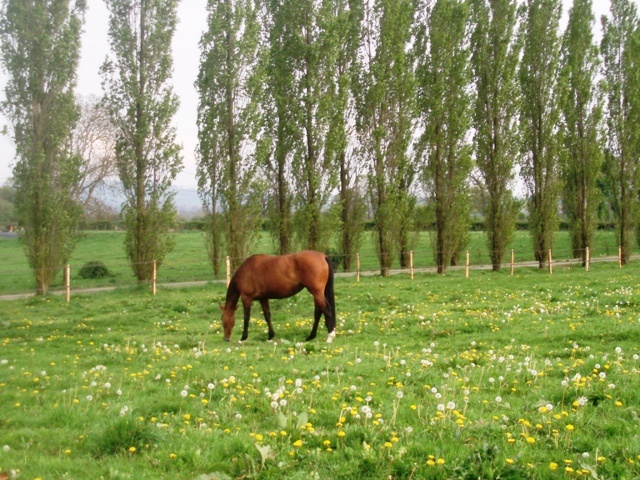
point(531, 376)
point(188, 261)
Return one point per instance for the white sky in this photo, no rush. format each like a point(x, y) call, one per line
point(192, 22)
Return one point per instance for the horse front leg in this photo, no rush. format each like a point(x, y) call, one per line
point(247, 315)
point(267, 316)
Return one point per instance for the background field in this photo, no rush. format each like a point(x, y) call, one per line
point(188, 261)
point(492, 376)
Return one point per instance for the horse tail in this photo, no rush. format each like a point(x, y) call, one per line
point(329, 294)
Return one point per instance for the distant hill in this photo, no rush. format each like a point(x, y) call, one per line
point(186, 200)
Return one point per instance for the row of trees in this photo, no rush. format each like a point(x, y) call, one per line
point(40, 42)
point(334, 106)
point(319, 111)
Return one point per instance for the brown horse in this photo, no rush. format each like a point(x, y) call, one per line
point(262, 277)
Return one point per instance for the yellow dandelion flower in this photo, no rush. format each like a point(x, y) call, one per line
point(341, 433)
point(297, 443)
point(431, 463)
point(132, 449)
point(570, 427)
point(388, 444)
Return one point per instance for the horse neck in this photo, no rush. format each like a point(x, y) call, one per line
point(232, 296)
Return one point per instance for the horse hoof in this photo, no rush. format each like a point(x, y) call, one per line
point(227, 340)
point(331, 336)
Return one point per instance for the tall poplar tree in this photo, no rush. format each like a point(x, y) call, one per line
point(620, 46)
point(445, 112)
point(280, 141)
point(141, 104)
point(495, 54)
point(316, 177)
point(385, 96)
point(226, 171)
point(581, 121)
point(40, 51)
point(343, 31)
point(539, 120)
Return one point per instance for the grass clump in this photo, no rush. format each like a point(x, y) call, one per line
point(126, 435)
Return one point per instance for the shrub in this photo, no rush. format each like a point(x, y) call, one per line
point(93, 270)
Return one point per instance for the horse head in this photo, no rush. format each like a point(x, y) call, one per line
point(228, 320)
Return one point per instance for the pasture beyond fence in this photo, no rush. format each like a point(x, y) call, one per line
point(188, 264)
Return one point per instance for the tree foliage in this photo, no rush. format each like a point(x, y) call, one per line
point(141, 104)
point(40, 52)
point(582, 132)
point(343, 33)
point(444, 105)
point(539, 120)
point(226, 128)
point(494, 59)
point(619, 47)
point(385, 103)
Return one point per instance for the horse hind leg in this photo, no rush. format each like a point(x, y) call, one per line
point(329, 321)
point(322, 307)
point(316, 321)
point(267, 316)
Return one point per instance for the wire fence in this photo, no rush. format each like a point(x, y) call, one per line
point(189, 265)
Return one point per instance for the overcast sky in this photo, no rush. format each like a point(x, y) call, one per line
point(186, 56)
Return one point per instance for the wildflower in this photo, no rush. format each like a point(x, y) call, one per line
point(570, 427)
point(388, 445)
point(297, 443)
point(132, 449)
point(509, 461)
point(341, 434)
point(553, 466)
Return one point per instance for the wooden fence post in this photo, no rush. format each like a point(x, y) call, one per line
point(67, 282)
point(587, 260)
point(619, 256)
point(550, 262)
point(466, 272)
point(411, 263)
point(154, 277)
point(358, 267)
point(228, 270)
point(513, 258)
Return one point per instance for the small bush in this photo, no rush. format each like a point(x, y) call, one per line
point(93, 270)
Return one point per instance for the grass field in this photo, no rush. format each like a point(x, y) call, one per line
point(188, 261)
point(533, 376)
